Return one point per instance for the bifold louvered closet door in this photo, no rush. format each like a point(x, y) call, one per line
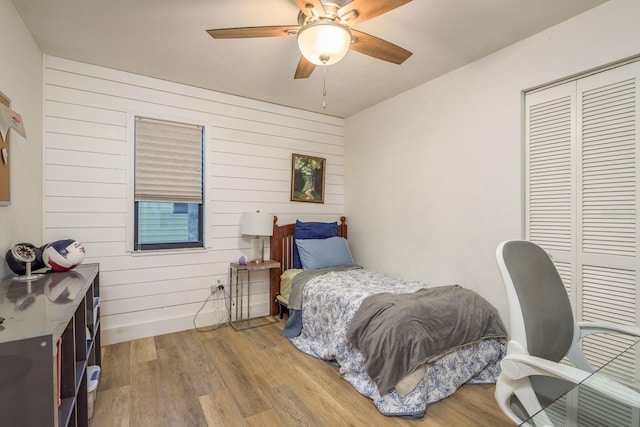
point(582, 169)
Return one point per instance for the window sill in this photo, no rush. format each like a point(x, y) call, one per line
point(156, 252)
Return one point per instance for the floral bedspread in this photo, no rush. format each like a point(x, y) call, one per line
point(330, 302)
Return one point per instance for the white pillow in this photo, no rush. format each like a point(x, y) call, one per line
point(324, 253)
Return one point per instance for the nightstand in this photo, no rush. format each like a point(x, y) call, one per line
point(236, 271)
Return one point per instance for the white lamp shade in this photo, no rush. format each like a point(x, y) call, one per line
point(324, 42)
point(256, 224)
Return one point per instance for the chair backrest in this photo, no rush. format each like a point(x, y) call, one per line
point(538, 302)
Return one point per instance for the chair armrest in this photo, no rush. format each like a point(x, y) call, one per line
point(589, 328)
point(518, 366)
point(514, 379)
point(583, 329)
point(615, 390)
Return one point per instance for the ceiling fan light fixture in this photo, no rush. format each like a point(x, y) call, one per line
point(324, 42)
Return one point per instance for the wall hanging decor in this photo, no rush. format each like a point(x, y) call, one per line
point(307, 178)
point(9, 119)
point(5, 183)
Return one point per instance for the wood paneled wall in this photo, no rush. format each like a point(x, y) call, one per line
point(86, 186)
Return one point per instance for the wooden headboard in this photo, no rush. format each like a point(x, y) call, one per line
point(282, 251)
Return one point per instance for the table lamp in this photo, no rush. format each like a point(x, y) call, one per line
point(256, 224)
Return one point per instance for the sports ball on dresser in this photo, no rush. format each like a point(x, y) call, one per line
point(63, 255)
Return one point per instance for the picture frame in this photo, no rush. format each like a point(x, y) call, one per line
point(307, 178)
point(5, 173)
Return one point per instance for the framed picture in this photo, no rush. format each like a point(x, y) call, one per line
point(307, 178)
point(5, 175)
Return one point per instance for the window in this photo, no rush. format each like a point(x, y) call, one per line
point(180, 208)
point(168, 193)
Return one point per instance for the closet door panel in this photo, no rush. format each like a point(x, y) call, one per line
point(607, 235)
point(607, 130)
point(582, 177)
point(550, 178)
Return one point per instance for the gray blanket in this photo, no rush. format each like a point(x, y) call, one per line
point(398, 332)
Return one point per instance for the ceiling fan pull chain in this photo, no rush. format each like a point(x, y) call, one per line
point(324, 86)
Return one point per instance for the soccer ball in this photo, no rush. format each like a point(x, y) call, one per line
point(63, 255)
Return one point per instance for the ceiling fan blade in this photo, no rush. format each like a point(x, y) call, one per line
point(305, 68)
point(363, 10)
point(306, 6)
point(250, 32)
point(378, 48)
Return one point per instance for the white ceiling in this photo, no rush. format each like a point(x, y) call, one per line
point(166, 39)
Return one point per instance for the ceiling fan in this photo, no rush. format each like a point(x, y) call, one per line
point(325, 33)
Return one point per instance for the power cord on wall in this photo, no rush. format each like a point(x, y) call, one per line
point(214, 291)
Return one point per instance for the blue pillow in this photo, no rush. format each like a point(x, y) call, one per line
point(324, 253)
point(311, 230)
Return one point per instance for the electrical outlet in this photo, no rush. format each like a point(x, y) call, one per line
point(220, 285)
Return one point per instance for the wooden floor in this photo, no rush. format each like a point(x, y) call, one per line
point(250, 378)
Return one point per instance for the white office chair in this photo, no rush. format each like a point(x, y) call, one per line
point(542, 333)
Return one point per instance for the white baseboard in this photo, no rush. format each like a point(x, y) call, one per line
point(160, 327)
point(175, 324)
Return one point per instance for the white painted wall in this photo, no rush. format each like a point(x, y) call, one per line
point(21, 81)
point(437, 171)
point(249, 148)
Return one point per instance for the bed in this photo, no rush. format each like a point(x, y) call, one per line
point(340, 313)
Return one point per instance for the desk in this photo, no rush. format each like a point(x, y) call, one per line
point(587, 404)
point(235, 282)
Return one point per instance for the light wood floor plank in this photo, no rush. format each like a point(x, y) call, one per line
point(335, 406)
point(290, 406)
point(146, 406)
point(269, 418)
point(166, 340)
point(196, 357)
point(181, 406)
point(220, 409)
point(115, 369)
point(112, 408)
point(238, 374)
point(143, 350)
point(251, 378)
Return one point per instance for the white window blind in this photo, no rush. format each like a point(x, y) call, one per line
point(168, 161)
